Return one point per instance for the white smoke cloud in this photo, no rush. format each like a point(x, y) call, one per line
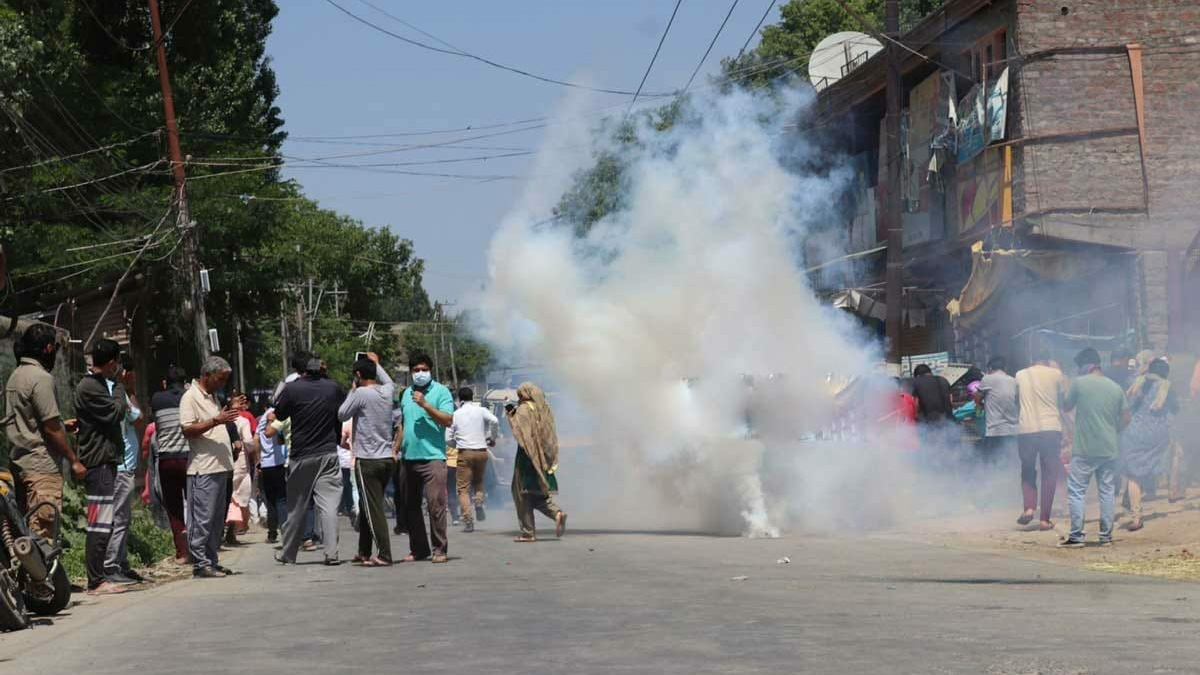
point(652, 324)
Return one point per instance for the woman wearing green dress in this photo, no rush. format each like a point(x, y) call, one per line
point(534, 481)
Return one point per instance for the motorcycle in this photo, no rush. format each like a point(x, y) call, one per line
point(33, 581)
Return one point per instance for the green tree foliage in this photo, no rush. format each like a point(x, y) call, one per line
point(782, 53)
point(77, 75)
point(471, 357)
point(780, 59)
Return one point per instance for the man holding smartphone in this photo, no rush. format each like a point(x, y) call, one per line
point(210, 466)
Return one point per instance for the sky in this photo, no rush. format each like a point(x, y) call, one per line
point(339, 77)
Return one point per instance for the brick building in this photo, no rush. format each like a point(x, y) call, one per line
point(1051, 175)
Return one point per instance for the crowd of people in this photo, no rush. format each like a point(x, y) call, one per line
point(305, 457)
point(1113, 425)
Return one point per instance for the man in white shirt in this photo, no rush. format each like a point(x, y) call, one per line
point(473, 431)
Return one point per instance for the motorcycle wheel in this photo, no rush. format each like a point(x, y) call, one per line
point(62, 595)
point(12, 604)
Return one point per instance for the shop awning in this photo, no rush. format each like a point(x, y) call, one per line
point(992, 270)
point(862, 304)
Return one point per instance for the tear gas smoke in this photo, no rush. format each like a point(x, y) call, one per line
point(702, 367)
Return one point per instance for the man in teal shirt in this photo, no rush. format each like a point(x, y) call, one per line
point(1100, 413)
point(427, 408)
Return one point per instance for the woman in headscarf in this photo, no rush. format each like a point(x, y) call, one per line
point(534, 482)
point(1147, 439)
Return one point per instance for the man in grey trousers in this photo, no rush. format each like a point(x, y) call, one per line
point(210, 466)
point(314, 475)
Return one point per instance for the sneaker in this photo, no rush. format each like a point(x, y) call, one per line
point(273, 538)
point(226, 571)
point(479, 514)
point(456, 521)
point(119, 578)
point(283, 561)
point(1071, 543)
point(333, 562)
point(1106, 542)
point(469, 527)
point(208, 573)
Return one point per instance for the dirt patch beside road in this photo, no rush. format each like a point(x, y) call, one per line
point(1166, 547)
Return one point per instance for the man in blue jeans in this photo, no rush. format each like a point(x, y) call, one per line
point(1100, 413)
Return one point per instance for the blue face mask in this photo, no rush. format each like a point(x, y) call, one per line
point(422, 378)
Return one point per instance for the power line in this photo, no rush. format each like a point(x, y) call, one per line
point(710, 46)
point(475, 57)
point(144, 167)
point(756, 28)
point(427, 34)
point(120, 43)
point(654, 58)
point(63, 158)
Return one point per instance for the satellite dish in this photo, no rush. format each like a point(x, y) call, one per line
point(838, 54)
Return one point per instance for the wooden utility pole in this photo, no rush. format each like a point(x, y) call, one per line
point(190, 246)
point(893, 199)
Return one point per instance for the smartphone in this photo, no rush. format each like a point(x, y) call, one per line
point(358, 356)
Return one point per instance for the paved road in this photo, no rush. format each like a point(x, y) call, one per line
point(634, 603)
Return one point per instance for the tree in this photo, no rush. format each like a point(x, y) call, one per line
point(434, 339)
point(777, 61)
point(79, 75)
point(783, 51)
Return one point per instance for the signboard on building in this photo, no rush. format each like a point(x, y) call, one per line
point(997, 108)
point(972, 132)
point(938, 361)
point(982, 192)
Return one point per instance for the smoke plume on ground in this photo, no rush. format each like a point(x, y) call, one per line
point(693, 370)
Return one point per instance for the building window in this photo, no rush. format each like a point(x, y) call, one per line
point(987, 56)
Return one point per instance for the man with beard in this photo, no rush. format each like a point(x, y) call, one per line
point(101, 407)
point(34, 426)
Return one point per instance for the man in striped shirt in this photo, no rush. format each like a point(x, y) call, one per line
point(172, 456)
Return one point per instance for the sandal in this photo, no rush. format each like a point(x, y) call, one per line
point(440, 558)
point(525, 540)
point(360, 560)
point(560, 524)
point(376, 562)
point(1135, 525)
point(410, 558)
point(1025, 519)
point(1046, 525)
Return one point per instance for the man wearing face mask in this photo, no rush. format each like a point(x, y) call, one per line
point(427, 408)
point(101, 410)
point(34, 426)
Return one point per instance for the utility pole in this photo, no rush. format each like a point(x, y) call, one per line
point(241, 359)
point(187, 229)
point(311, 313)
point(892, 205)
point(283, 334)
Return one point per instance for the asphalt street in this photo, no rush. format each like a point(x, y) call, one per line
point(624, 602)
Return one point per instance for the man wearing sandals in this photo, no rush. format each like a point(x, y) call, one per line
point(427, 408)
point(370, 406)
